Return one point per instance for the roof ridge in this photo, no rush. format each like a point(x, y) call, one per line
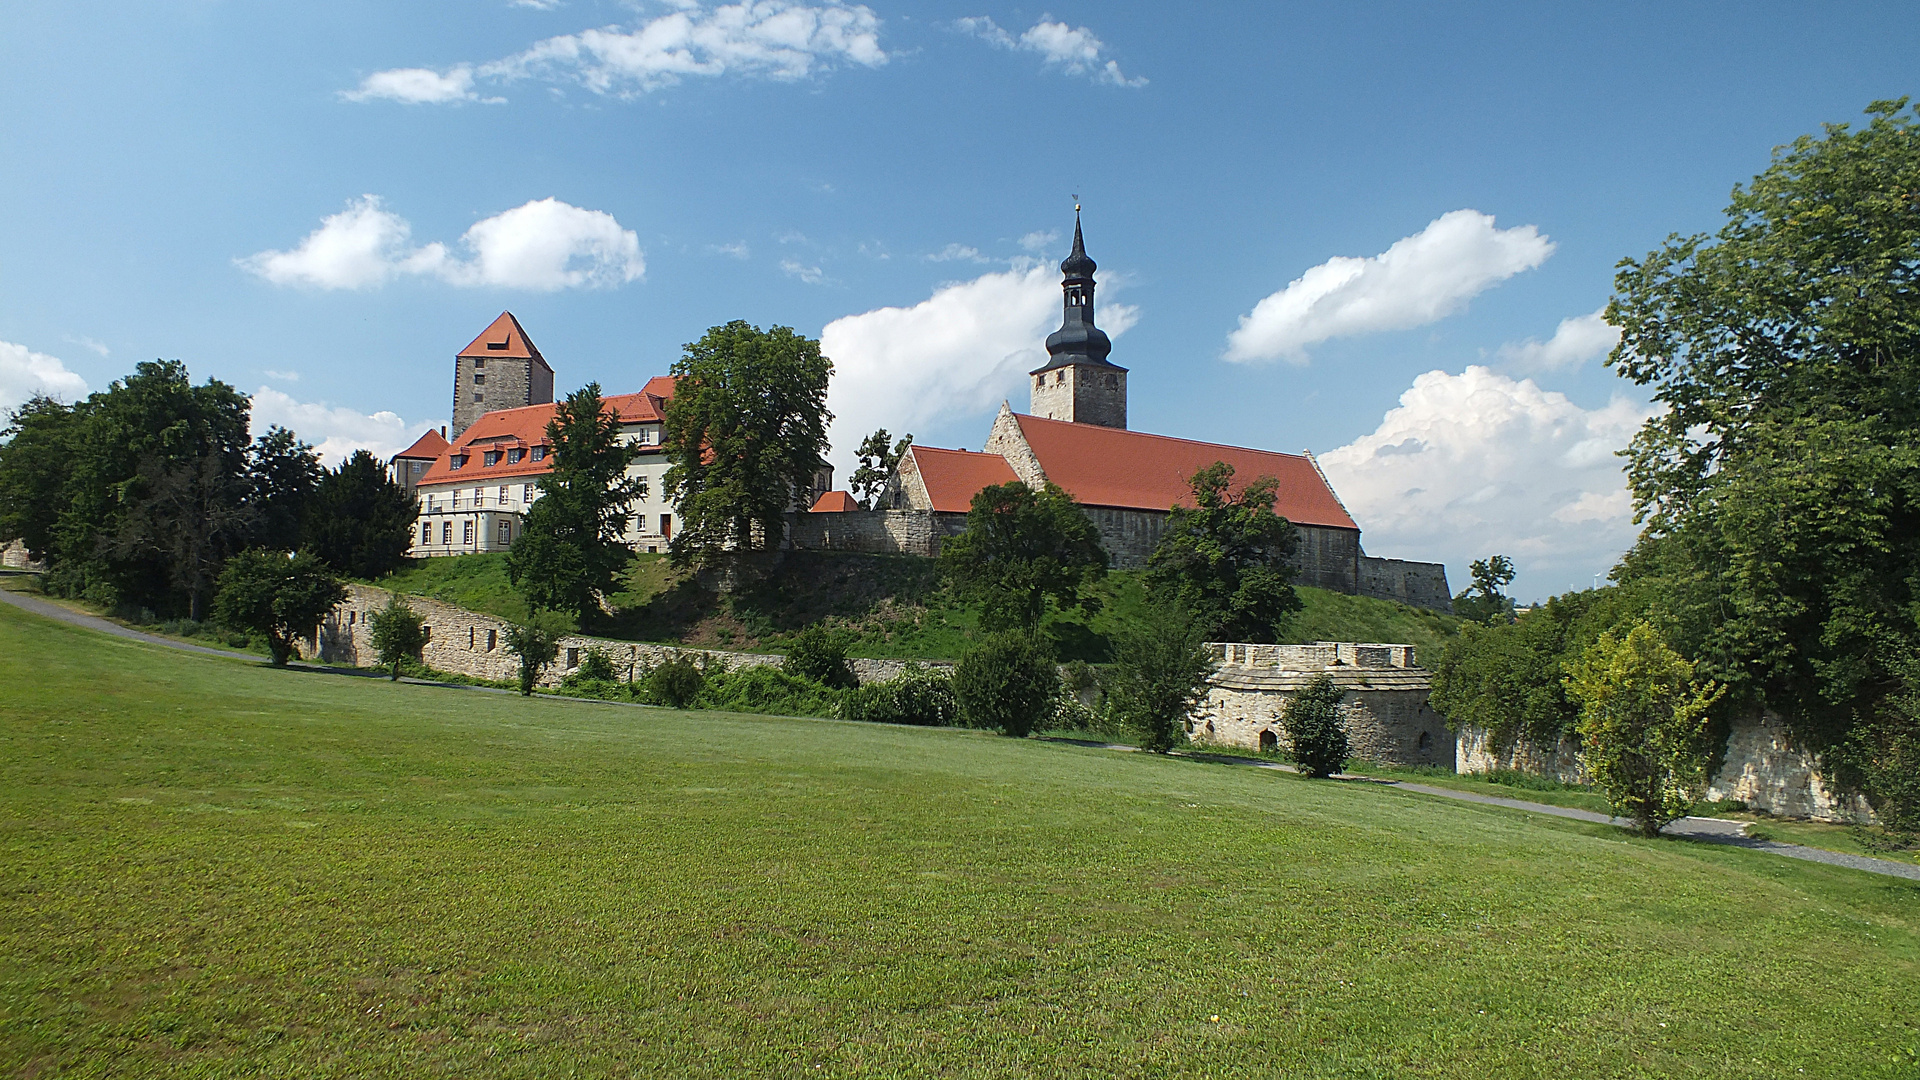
point(1151, 435)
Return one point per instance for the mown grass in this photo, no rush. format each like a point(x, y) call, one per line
point(887, 605)
point(211, 868)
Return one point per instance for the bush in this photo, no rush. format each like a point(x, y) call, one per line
point(398, 634)
point(820, 655)
point(535, 642)
point(676, 682)
point(595, 666)
point(1161, 677)
point(1006, 683)
point(919, 696)
point(1313, 727)
point(763, 688)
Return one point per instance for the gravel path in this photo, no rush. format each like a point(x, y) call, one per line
point(1707, 830)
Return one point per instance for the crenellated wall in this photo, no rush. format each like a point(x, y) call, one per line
point(1383, 702)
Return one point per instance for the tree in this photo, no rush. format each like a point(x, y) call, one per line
point(1021, 548)
point(399, 633)
point(746, 431)
point(1006, 683)
point(878, 459)
point(820, 654)
point(36, 464)
point(570, 548)
point(1486, 601)
point(1314, 731)
point(1643, 724)
point(535, 643)
point(1161, 676)
point(360, 521)
point(282, 473)
point(1780, 485)
point(279, 596)
point(1227, 559)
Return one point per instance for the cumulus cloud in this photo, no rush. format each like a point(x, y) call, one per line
point(958, 253)
point(1072, 49)
point(542, 246)
point(1038, 241)
point(1574, 342)
point(419, 86)
point(770, 39)
point(1419, 280)
point(24, 373)
point(333, 431)
point(960, 351)
point(1478, 463)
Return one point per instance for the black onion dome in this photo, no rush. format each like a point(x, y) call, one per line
point(1077, 264)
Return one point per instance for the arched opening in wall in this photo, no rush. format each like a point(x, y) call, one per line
point(1269, 742)
point(1426, 742)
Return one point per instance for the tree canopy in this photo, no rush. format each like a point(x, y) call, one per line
point(879, 456)
point(1022, 548)
point(747, 432)
point(570, 548)
point(1228, 559)
point(279, 596)
point(358, 520)
point(1486, 601)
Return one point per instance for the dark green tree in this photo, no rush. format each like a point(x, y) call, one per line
point(36, 465)
point(1006, 683)
point(535, 643)
point(1780, 486)
point(820, 654)
point(282, 473)
point(1160, 676)
point(1314, 731)
point(1486, 600)
point(746, 430)
point(878, 458)
point(1021, 548)
point(278, 596)
point(1227, 559)
point(360, 521)
point(570, 549)
point(399, 633)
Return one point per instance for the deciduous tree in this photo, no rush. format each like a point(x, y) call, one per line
point(360, 522)
point(1486, 600)
point(879, 457)
point(1314, 731)
point(1021, 548)
point(399, 633)
point(279, 596)
point(1227, 559)
point(1160, 676)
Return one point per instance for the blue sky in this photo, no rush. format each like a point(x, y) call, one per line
point(1424, 197)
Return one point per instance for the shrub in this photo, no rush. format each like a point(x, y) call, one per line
point(820, 655)
point(399, 633)
point(1313, 727)
point(1161, 677)
point(536, 642)
point(1643, 723)
point(595, 666)
point(676, 682)
point(1006, 683)
point(763, 688)
point(918, 696)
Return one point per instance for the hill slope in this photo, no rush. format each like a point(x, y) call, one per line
point(213, 868)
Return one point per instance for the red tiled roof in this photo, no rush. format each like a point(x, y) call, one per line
point(1101, 466)
point(834, 502)
point(504, 338)
point(525, 428)
point(426, 447)
point(953, 477)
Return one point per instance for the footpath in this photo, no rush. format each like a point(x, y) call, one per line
point(1706, 830)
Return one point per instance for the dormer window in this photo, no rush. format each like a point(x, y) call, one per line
point(491, 457)
point(514, 456)
point(539, 453)
point(456, 461)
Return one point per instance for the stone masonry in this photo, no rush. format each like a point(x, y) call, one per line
point(1383, 704)
point(875, 532)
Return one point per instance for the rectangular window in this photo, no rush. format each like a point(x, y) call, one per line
point(456, 461)
point(493, 639)
point(526, 492)
point(466, 532)
point(666, 526)
point(456, 498)
point(426, 533)
point(479, 496)
point(539, 453)
point(503, 494)
point(491, 457)
point(478, 378)
point(506, 531)
point(573, 658)
point(446, 533)
point(514, 456)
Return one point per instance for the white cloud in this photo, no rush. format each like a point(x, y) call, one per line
point(283, 376)
point(419, 86)
point(89, 343)
point(335, 432)
point(24, 373)
point(738, 250)
point(960, 351)
point(1420, 279)
point(543, 246)
point(958, 253)
point(1478, 463)
point(1038, 242)
point(1074, 50)
point(537, 5)
point(812, 275)
point(1574, 342)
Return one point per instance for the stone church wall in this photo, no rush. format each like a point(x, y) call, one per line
point(463, 642)
point(875, 532)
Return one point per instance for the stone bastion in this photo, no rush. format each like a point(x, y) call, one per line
point(1383, 700)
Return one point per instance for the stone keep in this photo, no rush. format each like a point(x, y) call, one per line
point(501, 369)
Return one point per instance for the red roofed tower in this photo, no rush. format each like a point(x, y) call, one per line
point(501, 369)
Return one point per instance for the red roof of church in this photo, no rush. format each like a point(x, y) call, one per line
point(525, 428)
point(1102, 466)
point(953, 477)
point(834, 502)
point(426, 447)
point(505, 338)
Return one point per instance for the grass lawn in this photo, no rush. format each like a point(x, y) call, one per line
point(217, 869)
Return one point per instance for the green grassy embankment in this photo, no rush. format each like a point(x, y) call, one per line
point(212, 868)
point(891, 605)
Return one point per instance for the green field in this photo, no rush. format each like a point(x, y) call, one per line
point(212, 868)
point(888, 605)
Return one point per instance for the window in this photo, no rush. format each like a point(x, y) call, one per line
point(446, 533)
point(456, 498)
point(478, 397)
point(539, 453)
point(573, 658)
point(456, 461)
point(1423, 735)
point(479, 496)
point(514, 456)
point(503, 494)
point(466, 532)
point(493, 639)
point(480, 362)
point(526, 492)
point(666, 526)
point(478, 378)
point(426, 533)
point(506, 531)
point(491, 457)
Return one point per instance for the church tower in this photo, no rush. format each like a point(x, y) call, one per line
point(1078, 384)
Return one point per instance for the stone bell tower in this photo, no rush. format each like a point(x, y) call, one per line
point(1078, 384)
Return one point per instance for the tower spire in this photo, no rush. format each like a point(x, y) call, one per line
point(1078, 341)
point(1078, 383)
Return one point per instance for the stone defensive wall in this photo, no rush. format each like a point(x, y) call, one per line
point(1383, 701)
point(1759, 765)
point(462, 642)
point(875, 532)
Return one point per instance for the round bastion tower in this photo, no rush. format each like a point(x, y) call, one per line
point(1078, 384)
